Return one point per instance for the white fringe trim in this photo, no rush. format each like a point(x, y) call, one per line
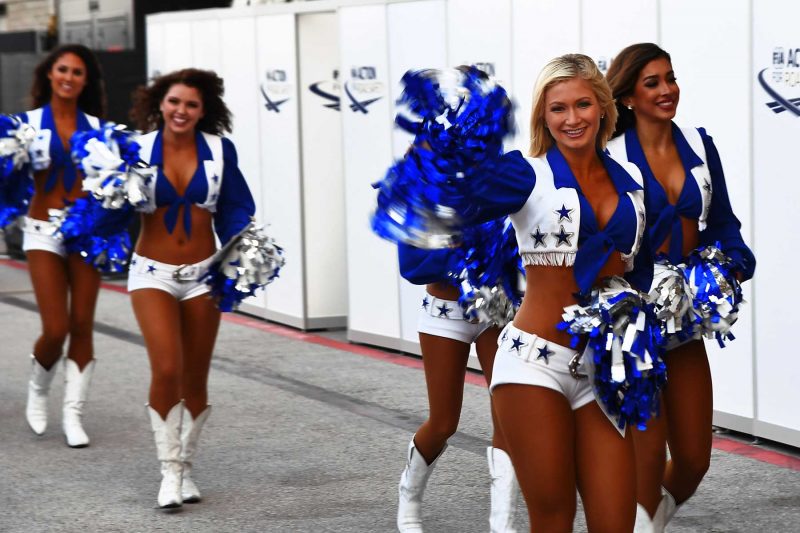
point(548, 258)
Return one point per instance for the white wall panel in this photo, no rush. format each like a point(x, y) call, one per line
point(541, 31)
point(177, 45)
point(280, 159)
point(238, 56)
point(427, 50)
point(206, 49)
point(709, 91)
point(479, 33)
point(776, 130)
point(156, 52)
point(611, 25)
point(323, 183)
point(373, 306)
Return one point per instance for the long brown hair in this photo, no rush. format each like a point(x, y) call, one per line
point(146, 100)
point(92, 99)
point(624, 73)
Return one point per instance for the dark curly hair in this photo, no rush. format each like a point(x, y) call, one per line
point(216, 119)
point(92, 99)
point(623, 74)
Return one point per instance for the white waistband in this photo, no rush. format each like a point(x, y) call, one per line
point(40, 227)
point(186, 272)
point(535, 349)
point(439, 308)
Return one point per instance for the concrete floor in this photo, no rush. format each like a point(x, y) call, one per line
point(304, 436)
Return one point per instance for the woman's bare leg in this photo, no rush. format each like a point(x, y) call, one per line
point(650, 448)
point(539, 428)
point(158, 314)
point(445, 362)
point(486, 346)
point(606, 472)
point(84, 283)
point(200, 319)
point(50, 285)
point(689, 403)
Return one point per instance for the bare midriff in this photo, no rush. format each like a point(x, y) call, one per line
point(443, 290)
point(176, 248)
point(43, 201)
point(548, 290)
point(691, 237)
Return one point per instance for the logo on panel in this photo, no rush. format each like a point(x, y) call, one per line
point(363, 88)
point(329, 91)
point(781, 81)
point(276, 89)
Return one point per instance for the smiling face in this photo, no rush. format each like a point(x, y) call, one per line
point(656, 94)
point(67, 77)
point(572, 114)
point(181, 108)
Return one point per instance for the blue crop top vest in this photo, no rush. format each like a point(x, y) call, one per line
point(46, 150)
point(555, 223)
point(704, 197)
point(217, 185)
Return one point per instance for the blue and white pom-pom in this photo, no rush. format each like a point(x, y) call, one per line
point(113, 172)
point(15, 139)
point(491, 268)
point(463, 117)
point(716, 291)
point(249, 261)
point(627, 367)
point(98, 235)
point(671, 298)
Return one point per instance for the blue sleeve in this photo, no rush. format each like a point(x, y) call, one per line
point(499, 188)
point(421, 267)
point(23, 117)
point(722, 225)
point(235, 205)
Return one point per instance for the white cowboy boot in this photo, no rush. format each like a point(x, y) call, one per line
point(76, 391)
point(643, 524)
point(412, 487)
point(167, 435)
point(38, 390)
point(189, 436)
point(504, 491)
point(666, 510)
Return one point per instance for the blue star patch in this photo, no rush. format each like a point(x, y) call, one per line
point(539, 238)
point(564, 237)
point(444, 310)
point(133, 261)
point(215, 179)
point(151, 269)
point(425, 303)
point(564, 213)
point(545, 353)
point(517, 344)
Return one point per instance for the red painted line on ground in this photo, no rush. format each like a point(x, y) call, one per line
point(720, 443)
point(755, 452)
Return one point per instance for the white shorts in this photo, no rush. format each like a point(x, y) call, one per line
point(445, 318)
point(178, 280)
point(40, 235)
point(527, 359)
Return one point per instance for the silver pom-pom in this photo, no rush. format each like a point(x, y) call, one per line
point(15, 142)
point(113, 173)
point(616, 314)
point(490, 305)
point(671, 298)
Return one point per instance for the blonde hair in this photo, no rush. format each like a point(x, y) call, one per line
point(565, 68)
